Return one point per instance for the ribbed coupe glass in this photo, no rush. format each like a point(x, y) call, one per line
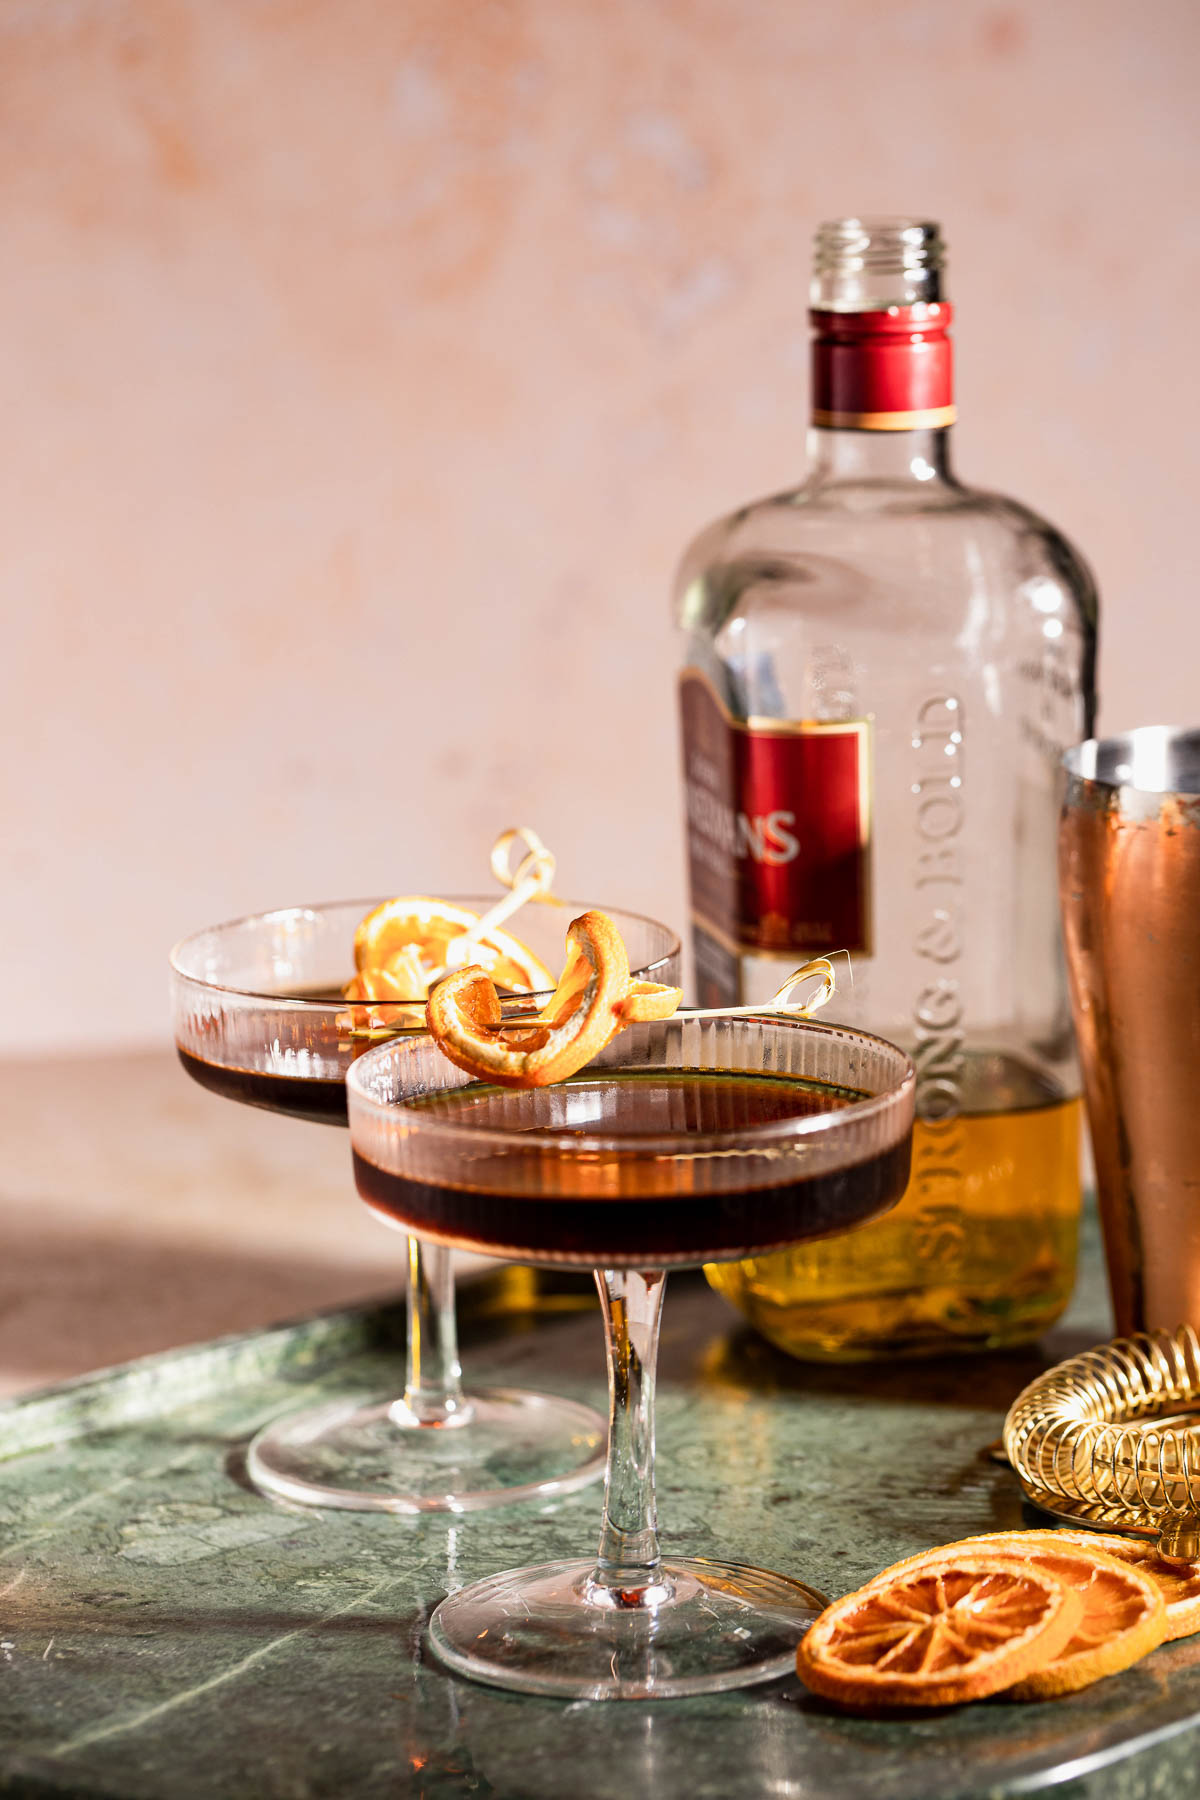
point(686, 1141)
point(259, 1017)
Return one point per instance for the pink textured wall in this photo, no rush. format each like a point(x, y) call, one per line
point(365, 366)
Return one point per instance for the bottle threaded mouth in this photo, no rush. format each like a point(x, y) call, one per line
point(864, 264)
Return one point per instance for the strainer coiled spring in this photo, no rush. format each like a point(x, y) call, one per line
point(1094, 1436)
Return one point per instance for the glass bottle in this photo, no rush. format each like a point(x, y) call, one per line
point(881, 671)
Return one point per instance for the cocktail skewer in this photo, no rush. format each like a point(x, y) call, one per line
point(518, 1016)
point(530, 880)
point(820, 968)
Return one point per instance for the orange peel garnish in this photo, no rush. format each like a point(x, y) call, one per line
point(649, 1000)
point(536, 867)
point(593, 1000)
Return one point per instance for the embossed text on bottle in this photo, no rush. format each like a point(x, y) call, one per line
point(938, 765)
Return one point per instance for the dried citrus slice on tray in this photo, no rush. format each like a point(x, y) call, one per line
point(1124, 1615)
point(1179, 1584)
point(594, 998)
point(416, 921)
point(936, 1637)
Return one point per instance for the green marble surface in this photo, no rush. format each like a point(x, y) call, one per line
point(164, 1631)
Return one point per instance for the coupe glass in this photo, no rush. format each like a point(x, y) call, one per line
point(259, 1017)
point(632, 1177)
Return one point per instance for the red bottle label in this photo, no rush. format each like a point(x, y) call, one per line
point(778, 826)
point(891, 370)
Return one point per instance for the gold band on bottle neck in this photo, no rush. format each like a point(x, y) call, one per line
point(931, 419)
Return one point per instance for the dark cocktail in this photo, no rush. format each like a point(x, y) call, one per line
point(635, 1218)
point(259, 1017)
point(321, 1100)
point(688, 1140)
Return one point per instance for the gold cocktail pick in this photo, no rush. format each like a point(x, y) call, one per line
point(530, 880)
point(781, 1004)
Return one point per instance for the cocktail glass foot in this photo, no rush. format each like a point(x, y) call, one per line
point(377, 1457)
point(438, 1448)
point(551, 1630)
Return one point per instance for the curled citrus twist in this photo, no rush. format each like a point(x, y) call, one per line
point(593, 1000)
point(531, 880)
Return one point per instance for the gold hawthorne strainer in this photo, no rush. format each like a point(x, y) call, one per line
point(1112, 1439)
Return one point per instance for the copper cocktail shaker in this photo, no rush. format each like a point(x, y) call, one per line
point(1129, 876)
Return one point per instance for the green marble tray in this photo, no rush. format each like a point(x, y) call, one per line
point(164, 1631)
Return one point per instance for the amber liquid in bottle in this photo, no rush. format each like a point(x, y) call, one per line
point(881, 671)
point(981, 1248)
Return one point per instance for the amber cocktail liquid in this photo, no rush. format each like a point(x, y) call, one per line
point(572, 1209)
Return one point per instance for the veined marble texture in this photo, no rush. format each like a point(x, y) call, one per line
point(167, 1631)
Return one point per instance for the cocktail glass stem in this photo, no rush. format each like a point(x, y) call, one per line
point(433, 1393)
point(628, 1571)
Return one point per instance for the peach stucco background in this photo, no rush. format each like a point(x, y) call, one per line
point(365, 367)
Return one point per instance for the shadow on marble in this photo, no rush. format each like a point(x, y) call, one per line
point(743, 1360)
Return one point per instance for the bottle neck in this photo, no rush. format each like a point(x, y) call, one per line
point(882, 393)
point(892, 456)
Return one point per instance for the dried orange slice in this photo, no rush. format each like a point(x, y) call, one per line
point(1179, 1584)
point(939, 1636)
point(393, 1003)
point(431, 926)
point(1124, 1614)
point(402, 979)
point(1124, 1617)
